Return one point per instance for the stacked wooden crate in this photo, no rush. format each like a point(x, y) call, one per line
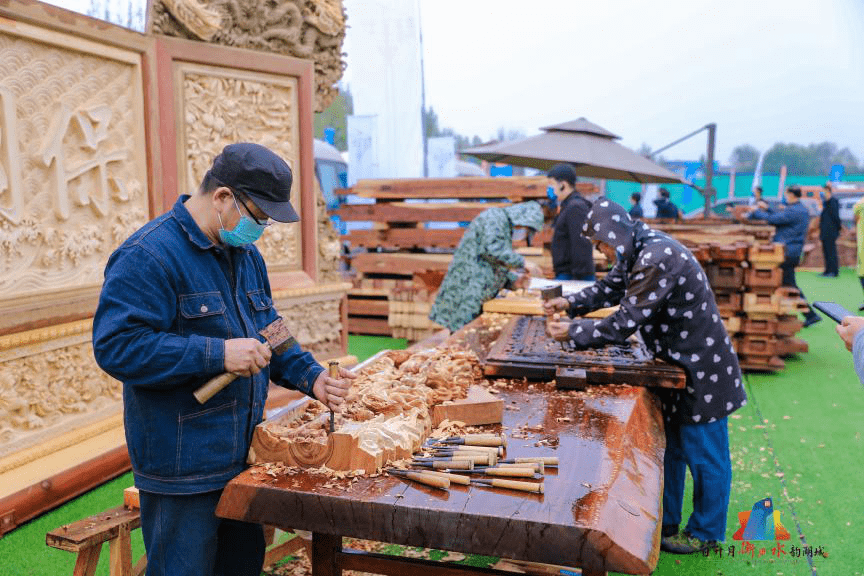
point(743, 268)
point(389, 295)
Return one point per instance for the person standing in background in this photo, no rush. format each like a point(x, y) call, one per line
point(790, 229)
point(829, 230)
point(756, 197)
point(665, 207)
point(636, 206)
point(572, 253)
point(858, 211)
point(485, 262)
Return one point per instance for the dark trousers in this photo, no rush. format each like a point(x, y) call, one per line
point(585, 278)
point(704, 449)
point(788, 267)
point(184, 537)
point(829, 252)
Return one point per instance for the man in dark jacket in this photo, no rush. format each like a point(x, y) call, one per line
point(664, 294)
point(572, 254)
point(665, 207)
point(636, 211)
point(790, 229)
point(829, 230)
point(183, 301)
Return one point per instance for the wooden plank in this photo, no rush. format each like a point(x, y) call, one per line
point(87, 560)
point(367, 307)
point(325, 548)
point(415, 212)
point(389, 263)
point(723, 276)
point(405, 238)
point(121, 553)
point(280, 551)
point(399, 566)
point(478, 408)
point(93, 530)
point(368, 325)
point(516, 188)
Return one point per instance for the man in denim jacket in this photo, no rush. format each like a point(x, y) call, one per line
point(183, 300)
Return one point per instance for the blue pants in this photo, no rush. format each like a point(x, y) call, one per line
point(704, 448)
point(184, 537)
point(566, 276)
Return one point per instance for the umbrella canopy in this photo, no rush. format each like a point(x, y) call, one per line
point(592, 150)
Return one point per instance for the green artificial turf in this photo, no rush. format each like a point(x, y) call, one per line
point(798, 441)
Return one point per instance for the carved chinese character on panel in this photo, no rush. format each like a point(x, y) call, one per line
point(72, 159)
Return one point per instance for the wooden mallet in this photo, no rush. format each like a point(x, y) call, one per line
point(277, 337)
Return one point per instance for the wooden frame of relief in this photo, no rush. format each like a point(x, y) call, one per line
point(211, 96)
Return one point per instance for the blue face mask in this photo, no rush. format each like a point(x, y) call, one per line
point(245, 232)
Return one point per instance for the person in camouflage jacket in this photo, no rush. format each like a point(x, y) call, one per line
point(483, 263)
point(664, 294)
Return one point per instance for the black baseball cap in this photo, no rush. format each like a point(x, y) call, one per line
point(260, 174)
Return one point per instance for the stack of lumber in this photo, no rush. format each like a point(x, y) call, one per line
point(743, 268)
point(402, 244)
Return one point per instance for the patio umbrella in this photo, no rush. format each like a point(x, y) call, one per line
point(592, 150)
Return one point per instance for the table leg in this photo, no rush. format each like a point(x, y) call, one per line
point(325, 547)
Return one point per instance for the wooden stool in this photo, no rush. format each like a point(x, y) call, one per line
point(115, 526)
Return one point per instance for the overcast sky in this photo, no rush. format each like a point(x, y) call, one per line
point(764, 71)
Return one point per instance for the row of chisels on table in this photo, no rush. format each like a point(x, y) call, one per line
point(461, 459)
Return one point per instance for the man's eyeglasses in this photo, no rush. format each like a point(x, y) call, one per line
point(266, 221)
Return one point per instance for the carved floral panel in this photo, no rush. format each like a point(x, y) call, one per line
point(219, 106)
point(73, 171)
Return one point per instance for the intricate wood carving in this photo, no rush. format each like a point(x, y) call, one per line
point(221, 106)
point(72, 159)
point(387, 414)
point(51, 392)
point(310, 29)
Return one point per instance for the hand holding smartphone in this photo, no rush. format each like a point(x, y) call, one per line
point(833, 310)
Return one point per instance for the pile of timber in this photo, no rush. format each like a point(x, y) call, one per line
point(390, 260)
point(743, 268)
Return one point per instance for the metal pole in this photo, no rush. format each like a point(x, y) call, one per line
point(423, 98)
point(709, 168)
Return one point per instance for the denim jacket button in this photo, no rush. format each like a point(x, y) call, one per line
point(203, 308)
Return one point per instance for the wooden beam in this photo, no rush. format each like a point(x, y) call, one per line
point(517, 188)
point(417, 212)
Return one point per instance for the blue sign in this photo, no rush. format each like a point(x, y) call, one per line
point(837, 171)
point(500, 170)
point(330, 135)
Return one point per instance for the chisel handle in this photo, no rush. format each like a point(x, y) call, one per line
point(452, 464)
point(453, 478)
point(425, 478)
point(507, 471)
point(517, 485)
point(536, 466)
point(214, 385)
point(546, 460)
point(484, 440)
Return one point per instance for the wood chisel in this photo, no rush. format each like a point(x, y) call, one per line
point(545, 460)
point(334, 373)
point(445, 464)
point(511, 484)
point(475, 440)
point(423, 478)
point(454, 478)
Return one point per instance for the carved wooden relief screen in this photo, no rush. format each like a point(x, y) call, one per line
point(211, 96)
point(73, 164)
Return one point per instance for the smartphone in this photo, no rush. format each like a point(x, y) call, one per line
point(832, 310)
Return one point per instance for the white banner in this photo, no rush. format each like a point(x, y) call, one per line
point(363, 160)
point(441, 157)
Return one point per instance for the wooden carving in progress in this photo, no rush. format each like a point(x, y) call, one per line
point(387, 414)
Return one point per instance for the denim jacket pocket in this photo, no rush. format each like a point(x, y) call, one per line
point(207, 440)
point(262, 308)
point(203, 314)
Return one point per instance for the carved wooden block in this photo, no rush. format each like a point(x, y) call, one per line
point(387, 416)
point(479, 407)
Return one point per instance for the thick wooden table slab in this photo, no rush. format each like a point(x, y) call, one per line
point(601, 510)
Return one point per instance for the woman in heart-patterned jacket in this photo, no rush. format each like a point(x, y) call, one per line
point(664, 293)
